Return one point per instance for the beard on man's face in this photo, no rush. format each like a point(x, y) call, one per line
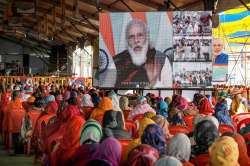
point(138, 53)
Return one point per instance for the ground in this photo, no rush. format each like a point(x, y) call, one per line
point(18, 160)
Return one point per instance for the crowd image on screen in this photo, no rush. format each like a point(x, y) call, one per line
point(193, 78)
point(189, 49)
point(192, 23)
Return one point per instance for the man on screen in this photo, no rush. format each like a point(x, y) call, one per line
point(141, 65)
point(220, 63)
point(220, 57)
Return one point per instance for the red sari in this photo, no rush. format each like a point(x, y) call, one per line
point(52, 107)
point(205, 107)
point(14, 116)
point(69, 143)
point(34, 115)
point(5, 100)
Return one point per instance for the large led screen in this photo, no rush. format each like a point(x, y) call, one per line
point(155, 49)
point(135, 50)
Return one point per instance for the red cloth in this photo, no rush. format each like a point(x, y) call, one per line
point(52, 107)
point(244, 159)
point(70, 141)
point(34, 115)
point(213, 100)
point(39, 132)
point(82, 155)
point(187, 164)
point(87, 111)
point(14, 116)
point(79, 100)
point(55, 137)
point(205, 107)
point(69, 112)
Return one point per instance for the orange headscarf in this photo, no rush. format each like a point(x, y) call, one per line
point(104, 105)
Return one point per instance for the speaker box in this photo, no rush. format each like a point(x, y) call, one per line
point(58, 57)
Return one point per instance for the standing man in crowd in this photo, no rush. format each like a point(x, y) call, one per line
point(141, 65)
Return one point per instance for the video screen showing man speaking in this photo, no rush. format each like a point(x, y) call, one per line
point(135, 50)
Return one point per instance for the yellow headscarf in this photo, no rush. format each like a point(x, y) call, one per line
point(237, 106)
point(143, 123)
point(224, 152)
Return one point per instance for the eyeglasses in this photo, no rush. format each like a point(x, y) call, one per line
point(138, 36)
point(217, 45)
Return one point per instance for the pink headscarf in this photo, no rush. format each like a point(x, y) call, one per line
point(109, 150)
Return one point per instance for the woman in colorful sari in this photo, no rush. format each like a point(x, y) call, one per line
point(179, 102)
point(224, 152)
point(70, 110)
point(176, 117)
point(205, 133)
point(204, 106)
point(56, 130)
point(124, 105)
point(143, 123)
point(112, 152)
point(87, 105)
point(52, 105)
point(5, 103)
point(114, 121)
point(197, 98)
point(162, 108)
point(69, 143)
point(32, 114)
point(115, 101)
point(14, 116)
point(237, 106)
point(141, 108)
point(168, 100)
point(104, 105)
point(90, 137)
point(91, 132)
point(5, 99)
point(144, 155)
point(180, 147)
point(161, 121)
point(222, 112)
point(153, 135)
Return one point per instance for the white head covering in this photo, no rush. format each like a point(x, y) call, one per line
point(200, 118)
point(115, 101)
point(168, 161)
point(86, 101)
point(180, 147)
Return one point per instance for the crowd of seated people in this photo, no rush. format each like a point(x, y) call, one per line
point(70, 126)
